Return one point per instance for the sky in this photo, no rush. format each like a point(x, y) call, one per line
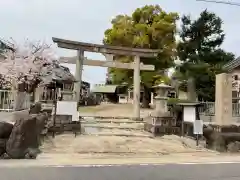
point(86, 21)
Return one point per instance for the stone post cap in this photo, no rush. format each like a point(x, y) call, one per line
point(158, 97)
point(189, 104)
point(159, 114)
point(163, 86)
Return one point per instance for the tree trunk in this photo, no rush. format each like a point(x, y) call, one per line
point(191, 89)
point(146, 97)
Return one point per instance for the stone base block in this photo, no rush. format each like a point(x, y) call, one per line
point(60, 128)
point(161, 130)
point(221, 138)
point(226, 128)
point(164, 121)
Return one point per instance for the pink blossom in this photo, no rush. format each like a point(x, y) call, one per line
point(26, 61)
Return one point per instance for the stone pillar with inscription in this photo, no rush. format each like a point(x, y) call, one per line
point(223, 99)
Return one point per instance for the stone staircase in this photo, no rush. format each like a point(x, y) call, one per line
point(113, 127)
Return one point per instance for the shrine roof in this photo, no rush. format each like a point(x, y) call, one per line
point(232, 64)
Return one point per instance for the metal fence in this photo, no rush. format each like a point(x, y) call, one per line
point(208, 109)
point(11, 100)
point(236, 109)
point(6, 100)
point(47, 95)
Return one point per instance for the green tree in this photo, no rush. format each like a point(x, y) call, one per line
point(200, 51)
point(147, 27)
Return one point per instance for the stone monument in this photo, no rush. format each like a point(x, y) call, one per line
point(223, 102)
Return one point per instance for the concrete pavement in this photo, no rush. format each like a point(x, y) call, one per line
point(111, 159)
point(119, 172)
point(179, 166)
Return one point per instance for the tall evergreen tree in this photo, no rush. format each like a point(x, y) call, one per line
point(200, 51)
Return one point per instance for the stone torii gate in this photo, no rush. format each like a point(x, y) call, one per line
point(109, 52)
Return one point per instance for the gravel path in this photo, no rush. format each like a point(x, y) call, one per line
point(67, 143)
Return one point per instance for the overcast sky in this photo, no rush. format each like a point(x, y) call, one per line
point(86, 20)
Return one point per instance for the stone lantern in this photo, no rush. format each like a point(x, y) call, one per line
point(161, 99)
point(161, 118)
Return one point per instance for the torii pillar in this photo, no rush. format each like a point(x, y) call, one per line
point(136, 87)
point(78, 75)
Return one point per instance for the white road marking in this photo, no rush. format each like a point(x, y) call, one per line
point(145, 164)
point(114, 165)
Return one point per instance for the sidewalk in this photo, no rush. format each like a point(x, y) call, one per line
point(94, 160)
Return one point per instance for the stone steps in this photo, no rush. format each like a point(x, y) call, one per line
point(120, 134)
point(111, 121)
point(113, 127)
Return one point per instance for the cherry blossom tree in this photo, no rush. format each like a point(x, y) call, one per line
point(23, 63)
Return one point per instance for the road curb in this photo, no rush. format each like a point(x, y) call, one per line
point(26, 165)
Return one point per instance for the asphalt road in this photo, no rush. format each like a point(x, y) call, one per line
point(125, 172)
